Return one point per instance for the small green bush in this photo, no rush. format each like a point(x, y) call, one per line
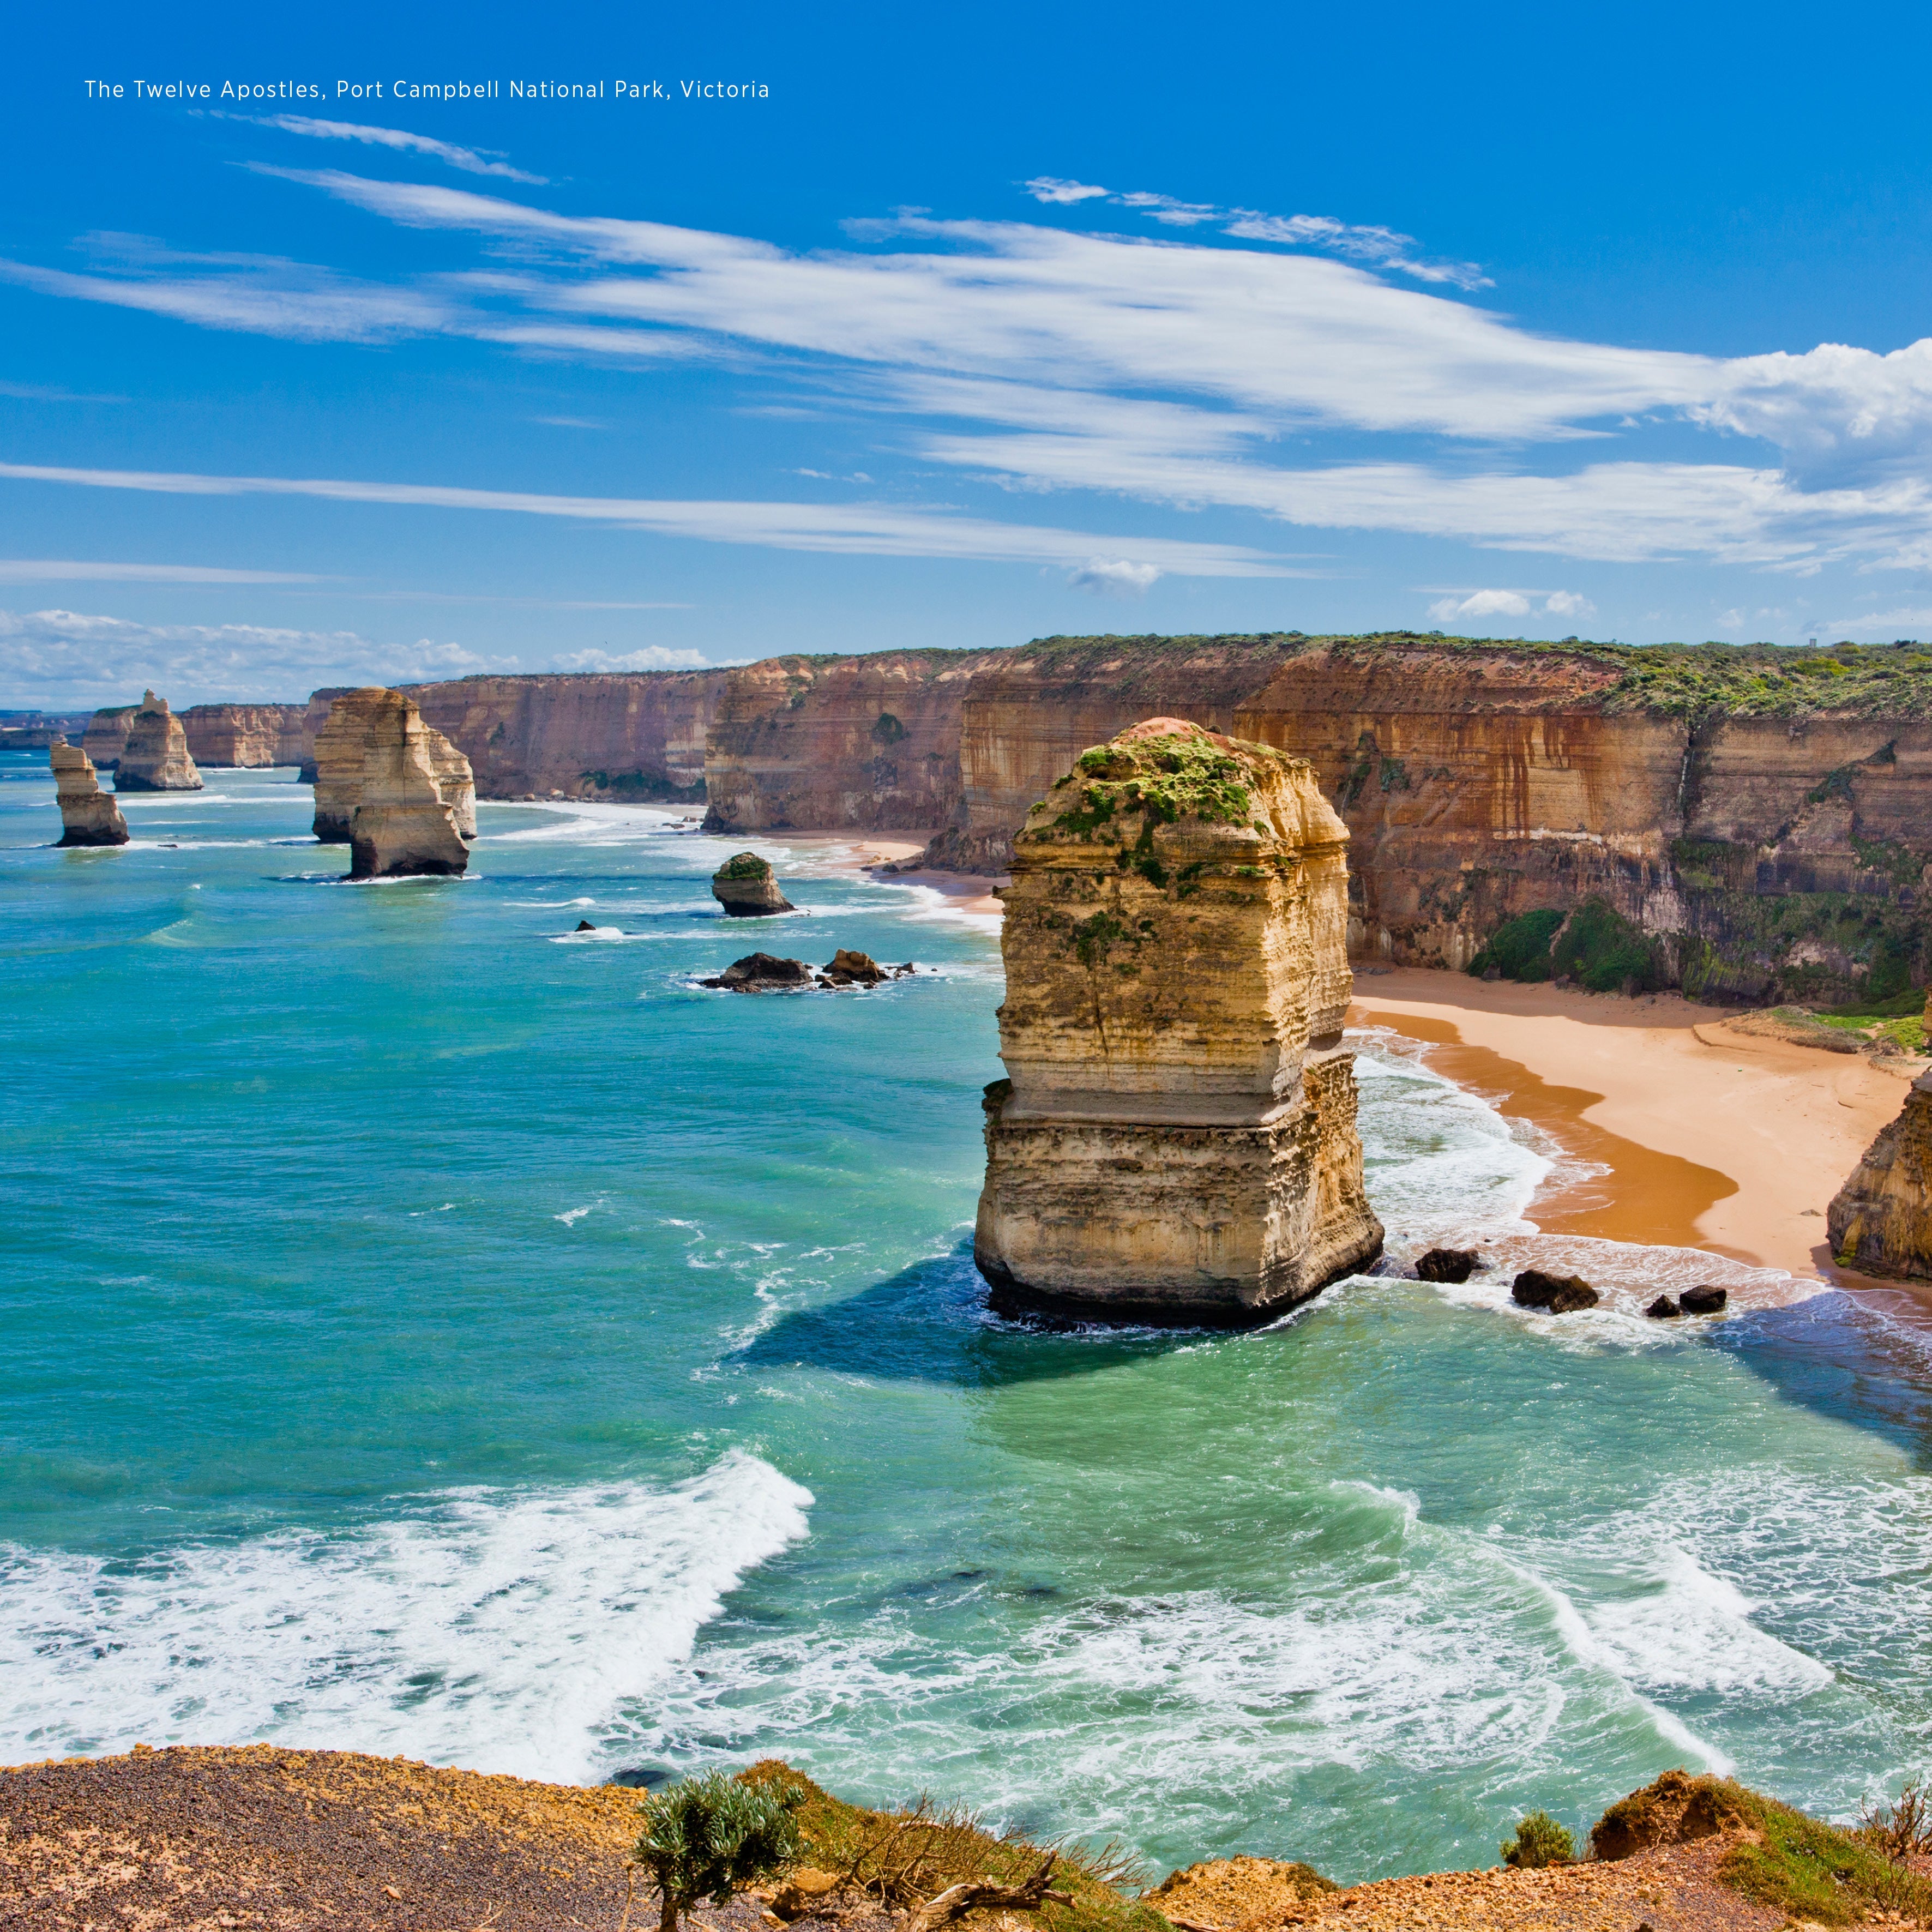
point(713, 1835)
point(1599, 949)
point(1520, 950)
point(1539, 1841)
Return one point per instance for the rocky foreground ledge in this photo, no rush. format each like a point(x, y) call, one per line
point(290, 1841)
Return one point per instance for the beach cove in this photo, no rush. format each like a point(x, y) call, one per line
point(437, 1330)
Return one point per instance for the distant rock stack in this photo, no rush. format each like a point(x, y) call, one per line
point(1880, 1221)
point(106, 735)
point(1176, 1140)
point(358, 727)
point(378, 788)
point(155, 756)
point(747, 888)
point(88, 815)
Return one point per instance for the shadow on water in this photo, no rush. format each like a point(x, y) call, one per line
point(930, 1323)
point(1838, 1358)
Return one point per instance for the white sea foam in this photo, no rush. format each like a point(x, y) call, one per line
point(498, 1629)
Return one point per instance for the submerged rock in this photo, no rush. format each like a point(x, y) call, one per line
point(155, 757)
point(1560, 1293)
point(747, 888)
point(1176, 1141)
point(88, 815)
point(763, 973)
point(1704, 1300)
point(1449, 1265)
point(1663, 1308)
point(353, 749)
point(1880, 1221)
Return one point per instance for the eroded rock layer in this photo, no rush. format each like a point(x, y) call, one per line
point(1176, 1138)
point(154, 757)
point(88, 815)
point(245, 734)
point(390, 787)
point(1880, 1221)
point(747, 888)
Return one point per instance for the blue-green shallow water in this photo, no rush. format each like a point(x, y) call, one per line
point(426, 1332)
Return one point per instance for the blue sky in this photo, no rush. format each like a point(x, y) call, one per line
point(959, 328)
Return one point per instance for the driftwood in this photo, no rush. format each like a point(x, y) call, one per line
point(956, 1900)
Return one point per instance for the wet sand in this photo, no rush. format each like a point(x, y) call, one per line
point(1711, 1139)
point(972, 891)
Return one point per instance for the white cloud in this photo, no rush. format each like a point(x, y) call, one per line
point(64, 570)
point(1050, 188)
point(1480, 603)
point(70, 657)
point(1567, 603)
point(652, 657)
point(856, 529)
point(1114, 577)
point(471, 160)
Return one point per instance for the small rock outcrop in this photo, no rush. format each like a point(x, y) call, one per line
point(1558, 1293)
point(1704, 1299)
point(1176, 1141)
point(352, 747)
point(155, 756)
point(1454, 1265)
point(1880, 1221)
point(763, 973)
point(1663, 1309)
point(847, 968)
point(747, 888)
point(88, 815)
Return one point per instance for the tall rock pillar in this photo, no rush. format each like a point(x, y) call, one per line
point(1176, 1139)
point(155, 756)
point(88, 815)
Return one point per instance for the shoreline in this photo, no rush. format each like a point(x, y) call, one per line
point(1736, 1147)
point(974, 891)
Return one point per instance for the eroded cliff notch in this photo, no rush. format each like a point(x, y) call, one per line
point(1176, 1138)
point(88, 816)
point(400, 793)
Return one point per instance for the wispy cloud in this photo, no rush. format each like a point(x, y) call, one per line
point(1383, 247)
point(42, 392)
point(860, 530)
point(1455, 609)
point(1114, 577)
point(471, 160)
point(652, 657)
point(83, 570)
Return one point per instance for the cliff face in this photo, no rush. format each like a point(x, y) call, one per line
point(245, 734)
point(864, 742)
point(615, 738)
point(106, 735)
point(88, 816)
point(1028, 713)
point(1880, 1221)
point(36, 730)
point(154, 757)
point(1176, 1139)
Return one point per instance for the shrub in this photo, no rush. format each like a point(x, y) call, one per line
point(1599, 949)
point(1520, 950)
point(711, 1836)
point(1539, 1841)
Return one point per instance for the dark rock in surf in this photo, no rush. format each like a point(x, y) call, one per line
point(763, 973)
point(584, 925)
point(1663, 1308)
point(1704, 1299)
point(1559, 1294)
point(1449, 1265)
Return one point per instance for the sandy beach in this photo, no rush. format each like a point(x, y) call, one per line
point(1711, 1138)
point(972, 891)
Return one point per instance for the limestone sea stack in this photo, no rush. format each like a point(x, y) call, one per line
point(1880, 1221)
point(88, 815)
point(1176, 1138)
point(359, 727)
point(747, 888)
point(155, 756)
point(380, 777)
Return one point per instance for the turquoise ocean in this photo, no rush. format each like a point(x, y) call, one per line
point(424, 1329)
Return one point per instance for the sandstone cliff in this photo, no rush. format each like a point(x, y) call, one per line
point(353, 749)
point(315, 716)
point(813, 742)
point(36, 730)
point(1880, 1221)
point(88, 815)
point(245, 734)
point(1176, 1139)
point(106, 735)
point(391, 787)
point(154, 757)
point(747, 888)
